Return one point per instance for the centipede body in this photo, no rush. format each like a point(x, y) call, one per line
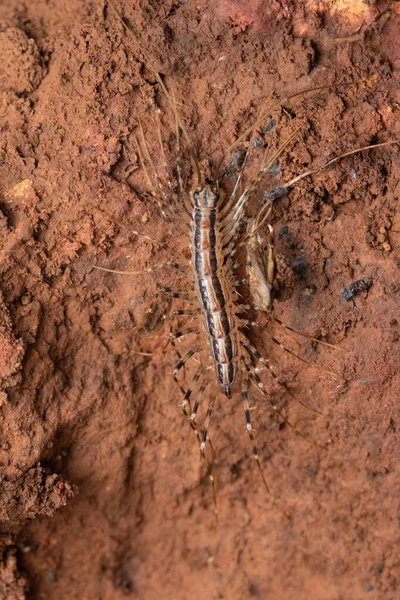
point(213, 228)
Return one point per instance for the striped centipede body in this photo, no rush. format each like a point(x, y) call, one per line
point(213, 225)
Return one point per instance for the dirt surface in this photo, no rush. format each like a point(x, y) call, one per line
point(102, 492)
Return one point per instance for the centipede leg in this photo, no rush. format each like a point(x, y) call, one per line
point(253, 352)
point(167, 211)
point(303, 360)
point(191, 418)
point(182, 259)
point(250, 431)
point(255, 379)
point(185, 216)
point(186, 201)
point(182, 332)
point(169, 263)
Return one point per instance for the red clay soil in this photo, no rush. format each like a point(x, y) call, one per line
point(102, 492)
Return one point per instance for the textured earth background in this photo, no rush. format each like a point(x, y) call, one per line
point(101, 491)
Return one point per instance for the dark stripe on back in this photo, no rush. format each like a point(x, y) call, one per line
point(205, 219)
point(218, 294)
point(202, 260)
point(228, 348)
point(223, 321)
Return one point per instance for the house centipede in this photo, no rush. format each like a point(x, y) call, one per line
point(213, 224)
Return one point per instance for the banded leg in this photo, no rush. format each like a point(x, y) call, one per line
point(177, 293)
point(196, 403)
point(191, 420)
point(266, 364)
point(183, 360)
point(206, 425)
point(303, 360)
point(250, 431)
point(178, 334)
point(255, 379)
point(187, 313)
point(186, 399)
point(254, 352)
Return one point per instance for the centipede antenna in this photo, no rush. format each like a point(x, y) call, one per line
point(155, 174)
point(279, 103)
point(186, 200)
point(336, 159)
point(164, 88)
point(250, 131)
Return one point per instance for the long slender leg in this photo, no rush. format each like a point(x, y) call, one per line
point(255, 379)
point(188, 313)
point(231, 223)
point(265, 362)
point(169, 263)
point(167, 211)
point(185, 404)
point(303, 360)
point(248, 323)
point(182, 259)
point(196, 429)
point(304, 335)
point(197, 403)
point(206, 425)
point(177, 293)
point(204, 438)
point(250, 431)
point(181, 364)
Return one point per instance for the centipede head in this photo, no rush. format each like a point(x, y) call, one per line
point(207, 195)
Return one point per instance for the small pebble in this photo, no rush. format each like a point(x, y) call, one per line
point(284, 234)
point(277, 193)
point(300, 267)
point(270, 126)
point(355, 288)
